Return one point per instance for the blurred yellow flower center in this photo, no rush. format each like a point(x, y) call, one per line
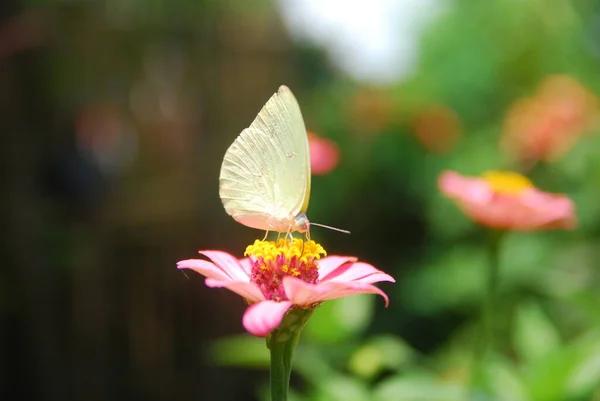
point(274, 260)
point(507, 182)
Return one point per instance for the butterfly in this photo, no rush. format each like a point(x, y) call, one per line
point(265, 175)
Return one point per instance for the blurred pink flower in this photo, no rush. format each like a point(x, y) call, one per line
point(509, 201)
point(548, 124)
point(281, 275)
point(324, 154)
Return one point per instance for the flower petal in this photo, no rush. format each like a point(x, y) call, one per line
point(533, 210)
point(302, 293)
point(228, 263)
point(336, 290)
point(246, 290)
point(358, 272)
point(330, 263)
point(246, 265)
point(466, 189)
point(551, 210)
point(263, 317)
point(204, 267)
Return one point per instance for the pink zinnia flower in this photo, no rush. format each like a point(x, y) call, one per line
point(548, 124)
point(508, 200)
point(277, 276)
point(324, 154)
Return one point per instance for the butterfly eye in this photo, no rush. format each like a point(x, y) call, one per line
point(301, 223)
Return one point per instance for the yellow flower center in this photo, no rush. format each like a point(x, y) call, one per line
point(507, 182)
point(275, 259)
point(270, 250)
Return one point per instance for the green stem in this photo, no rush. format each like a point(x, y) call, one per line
point(282, 342)
point(489, 304)
point(488, 310)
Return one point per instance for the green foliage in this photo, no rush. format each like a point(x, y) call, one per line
point(243, 350)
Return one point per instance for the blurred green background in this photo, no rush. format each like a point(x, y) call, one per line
point(115, 116)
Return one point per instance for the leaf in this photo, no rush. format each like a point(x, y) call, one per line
point(504, 380)
point(586, 374)
point(419, 386)
point(342, 388)
point(380, 353)
point(534, 335)
point(547, 378)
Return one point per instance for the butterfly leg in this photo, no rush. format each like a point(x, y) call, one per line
point(289, 236)
point(266, 234)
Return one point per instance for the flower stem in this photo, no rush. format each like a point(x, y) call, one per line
point(486, 343)
point(282, 342)
point(489, 304)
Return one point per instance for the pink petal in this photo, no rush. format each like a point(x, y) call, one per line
point(358, 272)
point(330, 263)
point(475, 190)
point(336, 290)
point(553, 210)
point(533, 210)
point(205, 268)
point(302, 293)
point(228, 263)
point(263, 317)
point(504, 211)
point(247, 290)
point(246, 265)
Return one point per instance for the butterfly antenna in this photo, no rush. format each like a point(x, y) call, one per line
point(330, 228)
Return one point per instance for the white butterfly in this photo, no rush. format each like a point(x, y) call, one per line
point(265, 175)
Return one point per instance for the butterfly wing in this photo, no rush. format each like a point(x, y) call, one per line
point(265, 175)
